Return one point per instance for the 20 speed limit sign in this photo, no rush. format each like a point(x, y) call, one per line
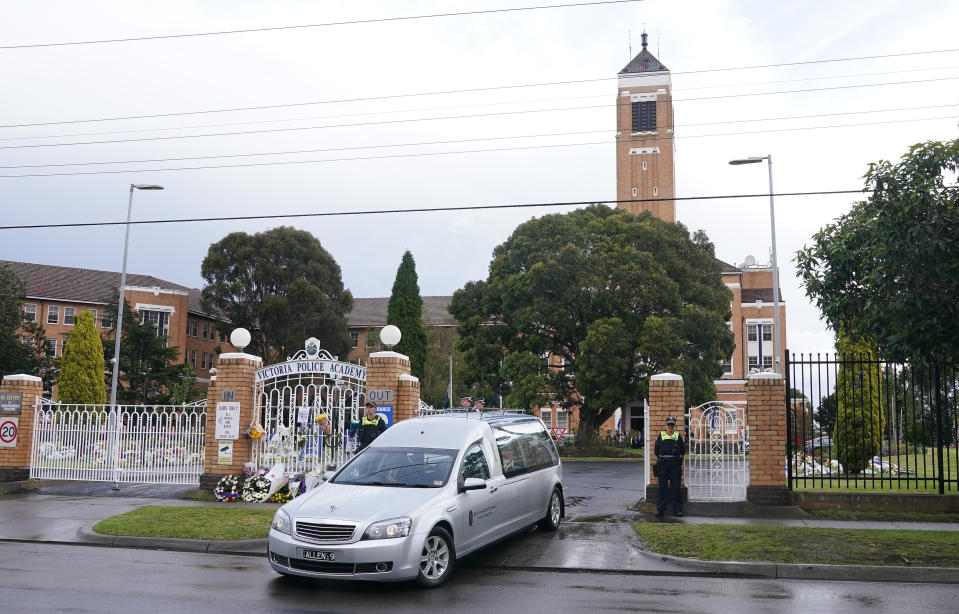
point(8, 432)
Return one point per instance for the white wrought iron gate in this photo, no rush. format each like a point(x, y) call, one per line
point(156, 444)
point(289, 397)
point(716, 467)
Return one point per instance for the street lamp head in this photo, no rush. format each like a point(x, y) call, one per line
point(146, 186)
point(746, 161)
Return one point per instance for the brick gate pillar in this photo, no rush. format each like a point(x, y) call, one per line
point(666, 398)
point(17, 412)
point(233, 383)
point(391, 371)
point(766, 416)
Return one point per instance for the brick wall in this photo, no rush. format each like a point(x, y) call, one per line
point(666, 398)
point(15, 461)
point(766, 397)
point(236, 372)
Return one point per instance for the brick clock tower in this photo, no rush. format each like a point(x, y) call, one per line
point(644, 137)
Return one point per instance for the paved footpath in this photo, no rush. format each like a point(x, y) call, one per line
point(580, 545)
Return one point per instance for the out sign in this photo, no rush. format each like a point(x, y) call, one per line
point(8, 432)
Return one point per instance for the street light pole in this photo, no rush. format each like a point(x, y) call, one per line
point(777, 366)
point(114, 427)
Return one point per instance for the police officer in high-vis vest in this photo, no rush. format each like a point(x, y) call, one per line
point(370, 427)
point(669, 449)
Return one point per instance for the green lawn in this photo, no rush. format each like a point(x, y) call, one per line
point(801, 545)
point(922, 466)
point(219, 523)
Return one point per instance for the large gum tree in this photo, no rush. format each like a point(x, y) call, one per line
point(582, 308)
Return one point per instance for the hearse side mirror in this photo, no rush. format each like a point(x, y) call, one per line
point(473, 484)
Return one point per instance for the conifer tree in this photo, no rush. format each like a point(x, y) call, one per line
point(860, 421)
point(82, 366)
point(405, 311)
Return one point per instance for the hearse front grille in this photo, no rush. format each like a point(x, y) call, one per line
point(320, 532)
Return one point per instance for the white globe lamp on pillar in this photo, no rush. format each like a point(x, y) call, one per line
point(390, 335)
point(240, 337)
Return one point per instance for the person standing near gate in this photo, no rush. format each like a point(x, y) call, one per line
point(370, 427)
point(669, 449)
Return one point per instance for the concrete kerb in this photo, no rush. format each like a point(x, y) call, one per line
point(807, 571)
point(248, 547)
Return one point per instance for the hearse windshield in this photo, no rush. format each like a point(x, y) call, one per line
point(399, 467)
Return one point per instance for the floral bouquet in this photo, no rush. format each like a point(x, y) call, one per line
point(281, 496)
point(227, 489)
point(256, 488)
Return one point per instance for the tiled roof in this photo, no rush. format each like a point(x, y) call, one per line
point(728, 268)
point(751, 295)
point(74, 284)
point(372, 311)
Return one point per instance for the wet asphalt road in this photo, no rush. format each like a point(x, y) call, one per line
point(37, 577)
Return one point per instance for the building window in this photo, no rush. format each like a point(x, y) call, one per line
point(206, 330)
point(53, 314)
point(655, 191)
point(371, 338)
point(562, 418)
point(51, 348)
point(644, 116)
point(69, 315)
point(751, 332)
point(767, 333)
point(354, 339)
point(186, 357)
point(203, 360)
point(193, 357)
point(644, 164)
point(95, 314)
point(222, 338)
point(30, 312)
point(635, 192)
point(196, 327)
point(27, 341)
point(546, 415)
point(728, 367)
point(159, 319)
point(753, 362)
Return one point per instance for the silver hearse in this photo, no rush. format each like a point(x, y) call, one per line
point(428, 491)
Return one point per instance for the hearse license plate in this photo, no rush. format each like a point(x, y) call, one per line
point(319, 555)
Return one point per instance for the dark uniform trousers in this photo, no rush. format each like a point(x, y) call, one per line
point(670, 475)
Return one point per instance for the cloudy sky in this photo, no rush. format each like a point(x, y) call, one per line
point(362, 105)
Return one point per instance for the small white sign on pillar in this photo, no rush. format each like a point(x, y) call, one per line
point(227, 420)
point(224, 452)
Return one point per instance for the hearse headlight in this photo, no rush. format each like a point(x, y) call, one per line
point(385, 529)
point(281, 522)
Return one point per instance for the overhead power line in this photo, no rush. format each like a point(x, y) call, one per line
point(447, 153)
point(438, 118)
point(328, 24)
point(438, 108)
point(481, 139)
point(578, 203)
point(448, 92)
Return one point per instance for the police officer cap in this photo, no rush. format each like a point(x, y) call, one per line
point(370, 404)
point(670, 420)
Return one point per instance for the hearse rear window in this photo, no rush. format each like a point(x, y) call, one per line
point(525, 447)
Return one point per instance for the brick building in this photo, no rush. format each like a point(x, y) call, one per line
point(56, 294)
point(368, 317)
point(645, 131)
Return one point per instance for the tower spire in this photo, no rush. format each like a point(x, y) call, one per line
point(644, 39)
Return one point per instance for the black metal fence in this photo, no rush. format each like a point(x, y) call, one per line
point(855, 422)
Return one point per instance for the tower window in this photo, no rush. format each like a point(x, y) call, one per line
point(635, 192)
point(644, 164)
point(655, 191)
point(644, 116)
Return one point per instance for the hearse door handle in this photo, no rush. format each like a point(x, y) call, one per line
point(494, 489)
